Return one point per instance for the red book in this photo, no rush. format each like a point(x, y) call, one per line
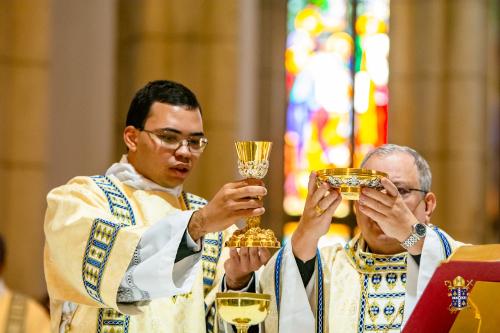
point(475, 265)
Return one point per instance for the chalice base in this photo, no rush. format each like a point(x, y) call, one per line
point(253, 237)
point(350, 192)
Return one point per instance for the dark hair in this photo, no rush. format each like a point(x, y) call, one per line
point(162, 91)
point(2, 251)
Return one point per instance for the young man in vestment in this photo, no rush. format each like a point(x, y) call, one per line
point(372, 283)
point(130, 251)
point(19, 313)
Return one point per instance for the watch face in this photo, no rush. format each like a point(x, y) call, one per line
point(420, 229)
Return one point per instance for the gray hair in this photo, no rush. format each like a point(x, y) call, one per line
point(424, 171)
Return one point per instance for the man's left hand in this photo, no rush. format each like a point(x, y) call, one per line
point(388, 210)
point(242, 263)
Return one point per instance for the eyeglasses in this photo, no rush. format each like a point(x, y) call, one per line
point(172, 140)
point(405, 192)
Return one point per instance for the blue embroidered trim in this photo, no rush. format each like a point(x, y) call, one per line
point(384, 327)
point(210, 255)
point(383, 259)
point(110, 320)
point(207, 281)
point(118, 203)
point(390, 268)
point(209, 263)
point(361, 322)
point(192, 201)
point(210, 259)
point(321, 309)
point(320, 301)
point(217, 243)
point(212, 249)
point(277, 276)
point(100, 243)
point(210, 320)
point(212, 242)
point(386, 295)
point(444, 242)
point(101, 240)
point(208, 272)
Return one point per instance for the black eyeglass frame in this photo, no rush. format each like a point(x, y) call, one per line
point(410, 189)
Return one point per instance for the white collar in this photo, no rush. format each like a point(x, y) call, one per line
point(127, 174)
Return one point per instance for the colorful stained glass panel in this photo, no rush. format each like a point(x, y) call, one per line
point(336, 76)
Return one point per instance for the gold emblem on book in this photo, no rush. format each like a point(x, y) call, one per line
point(458, 290)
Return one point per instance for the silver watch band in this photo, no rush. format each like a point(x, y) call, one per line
point(410, 241)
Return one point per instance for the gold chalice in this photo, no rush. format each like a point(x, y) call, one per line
point(350, 181)
point(253, 162)
point(242, 309)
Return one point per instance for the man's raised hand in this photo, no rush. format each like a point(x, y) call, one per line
point(232, 202)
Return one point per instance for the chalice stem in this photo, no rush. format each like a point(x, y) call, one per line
point(241, 329)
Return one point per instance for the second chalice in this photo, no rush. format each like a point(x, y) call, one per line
point(242, 309)
point(253, 162)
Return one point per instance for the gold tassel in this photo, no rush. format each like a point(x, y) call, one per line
point(477, 314)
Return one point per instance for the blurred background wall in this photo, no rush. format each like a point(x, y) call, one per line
point(69, 68)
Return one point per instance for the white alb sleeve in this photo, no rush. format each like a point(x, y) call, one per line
point(153, 272)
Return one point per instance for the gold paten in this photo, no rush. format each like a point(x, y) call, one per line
point(350, 180)
point(253, 162)
point(242, 309)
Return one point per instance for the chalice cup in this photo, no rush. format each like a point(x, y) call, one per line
point(253, 162)
point(242, 309)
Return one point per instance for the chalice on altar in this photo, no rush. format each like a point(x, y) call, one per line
point(253, 162)
point(242, 309)
point(350, 181)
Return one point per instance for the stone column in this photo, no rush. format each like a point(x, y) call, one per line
point(24, 117)
point(466, 106)
point(82, 89)
point(195, 43)
point(271, 102)
point(56, 106)
point(438, 102)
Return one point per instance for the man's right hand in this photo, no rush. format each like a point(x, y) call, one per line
point(321, 203)
point(232, 202)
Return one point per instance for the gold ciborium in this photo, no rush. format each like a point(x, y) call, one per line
point(253, 162)
point(350, 181)
point(242, 309)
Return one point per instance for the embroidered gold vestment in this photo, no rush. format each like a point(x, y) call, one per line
point(93, 226)
point(355, 290)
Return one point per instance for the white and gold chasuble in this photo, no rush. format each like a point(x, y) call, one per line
point(20, 314)
point(354, 291)
point(93, 226)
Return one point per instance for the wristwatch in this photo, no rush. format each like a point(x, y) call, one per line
point(418, 232)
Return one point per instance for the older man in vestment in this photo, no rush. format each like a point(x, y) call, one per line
point(130, 251)
point(372, 283)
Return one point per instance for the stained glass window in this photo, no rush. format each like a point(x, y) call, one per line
point(336, 79)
